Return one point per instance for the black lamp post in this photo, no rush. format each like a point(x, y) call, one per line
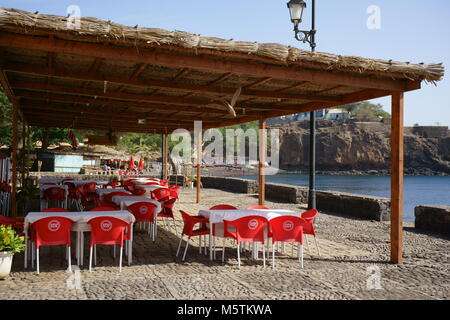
point(296, 8)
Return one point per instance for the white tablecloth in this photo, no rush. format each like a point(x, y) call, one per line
point(148, 187)
point(80, 217)
point(102, 192)
point(78, 183)
point(124, 201)
point(217, 216)
point(51, 180)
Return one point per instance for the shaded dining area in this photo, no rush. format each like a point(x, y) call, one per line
point(114, 78)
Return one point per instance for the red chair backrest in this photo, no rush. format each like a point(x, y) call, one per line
point(70, 184)
point(109, 196)
point(103, 209)
point(143, 211)
point(174, 191)
point(258, 207)
point(53, 194)
point(310, 214)
point(55, 210)
point(107, 230)
point(308, 217)
point(67, 179)
point(189, 222)
point(52, 231)
point(160, 194)
point(89, 187)
point(164, 182)
point(287, 229)
point(223, 207)
point(250, 228)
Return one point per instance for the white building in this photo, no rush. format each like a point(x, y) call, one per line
point(337, 114)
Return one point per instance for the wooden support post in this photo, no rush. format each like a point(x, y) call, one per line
point(199, 164)
point(262, 161)
point(22, 171)
point(14, 160)
point(397, 178)
point(166, 156)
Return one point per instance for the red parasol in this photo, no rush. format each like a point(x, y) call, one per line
point(131, 165)
point(141, 165)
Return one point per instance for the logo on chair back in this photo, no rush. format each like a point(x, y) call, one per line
point(106, 225)
point(288, 225)
point(253, 224)
point(143, 210)
point(54, 225)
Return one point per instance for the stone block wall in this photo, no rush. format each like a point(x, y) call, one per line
point(230, 184)
point(433, 218)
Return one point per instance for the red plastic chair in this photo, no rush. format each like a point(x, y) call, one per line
point(89, 188)
point(103, 209)
point(107, 231)
point(55, 210)
point(258, 207)
point(52, 231)
point(223, 207)
point(164, 183)
point(108, 197)
point(113, 184)
point(174, 191)
point(287, 229)
point(161, 194)
point(188, 229)
point(54, 194)
point(136, 192)
point(145, 212)
point(248, 229)
point(167, 212)
point(308, 227)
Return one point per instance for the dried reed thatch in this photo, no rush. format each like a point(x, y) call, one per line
point(25, 22)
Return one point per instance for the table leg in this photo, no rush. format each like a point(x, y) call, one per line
point(210, 241)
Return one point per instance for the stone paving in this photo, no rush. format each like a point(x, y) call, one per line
point(350, 249)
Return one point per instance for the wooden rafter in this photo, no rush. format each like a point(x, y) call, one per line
point(160, 84)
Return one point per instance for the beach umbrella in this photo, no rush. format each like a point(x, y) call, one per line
point(131, 165)
point(141, 164)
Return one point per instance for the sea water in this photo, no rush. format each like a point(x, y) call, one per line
point(418, 190)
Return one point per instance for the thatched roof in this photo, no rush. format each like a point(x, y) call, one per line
point(108, 76)
point(149, 37)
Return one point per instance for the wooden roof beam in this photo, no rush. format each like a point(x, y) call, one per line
point(160, 84)
point(205, 63)
point(43, 106)
point(200, 105)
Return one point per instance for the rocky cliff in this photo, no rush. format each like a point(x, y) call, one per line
point(362, 146)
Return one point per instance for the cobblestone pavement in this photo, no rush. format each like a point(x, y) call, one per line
point(350, 249)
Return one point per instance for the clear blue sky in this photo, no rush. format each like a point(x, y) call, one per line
point(411, 30)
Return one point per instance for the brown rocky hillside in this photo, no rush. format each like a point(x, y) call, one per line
point(363, 146)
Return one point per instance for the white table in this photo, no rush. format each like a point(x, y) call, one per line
point(80, 225)
point(78, 183)
point(149, 187)
point(44, 203)
point(217, 217)
point(102, 192)
point(124, 201)
point(51, 180)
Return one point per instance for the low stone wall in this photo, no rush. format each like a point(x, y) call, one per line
point(361, 206)
point(230, 184)
point(433, 218)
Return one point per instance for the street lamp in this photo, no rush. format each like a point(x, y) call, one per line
point(296, 8)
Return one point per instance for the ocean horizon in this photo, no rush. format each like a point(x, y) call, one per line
point(418, 190)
